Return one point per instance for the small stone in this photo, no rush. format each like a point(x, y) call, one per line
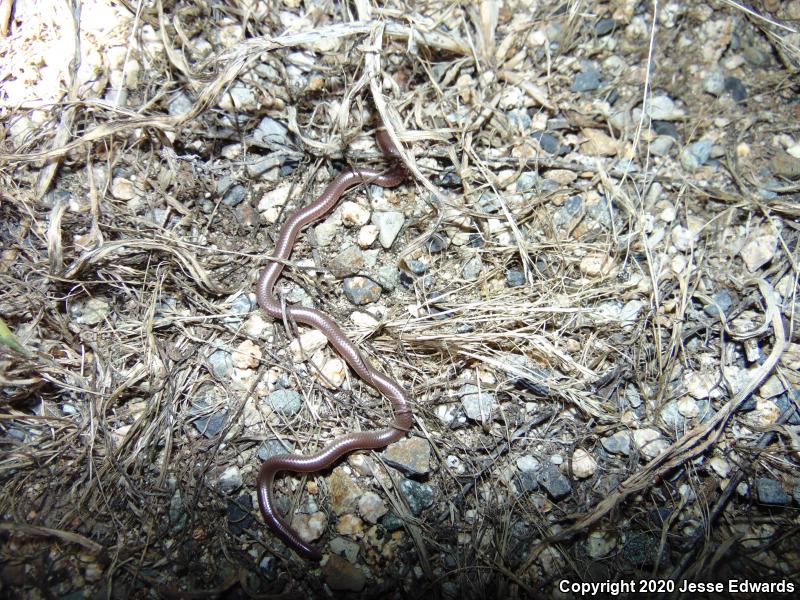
point(246, 356)
point(619, 443)
point(325, 233)
point(661, 145)
point(123, 189)
point(696, 154)
point(361, 290)
point(720, 466)
point(271, 133)
point(640, 549)
point(662, 108)
point(310, 527)
point(332, 373)
point(758, 250)
point(771, 387)
point(344, 491)
point(304, 347)
point(735, 87)
point(649, 442)
point(271, 448)
point(234, 196)
point(389, 223)
point(221, 363)
point(90, 311)
point(341, 575)
point(771, 492)
point(547, 142)
point(354, 215)
point(785, 165)
point(437, 243)
point(239, 519)
point(179, 104)
point(722, 300)
point(586, 81)
point(238, 98)
point(604, 26)
point(230, 480)
point(412, 456)
point(367, 235)
point(418, 496)
point(344, 547)
point(600, 544)
point(347, 262)
point(597, 264)
point(515, 278)
point(599, 143)
point(472, 268)
point(682, 238)
point(687, 407)
point(285, 402)
point(371, 507)
point(714, 82)
point(528, 464)
point(700, 384)
point(583, 464)
point(271, 202)
point(478, 404)
point(556, 484)
point(350, 525)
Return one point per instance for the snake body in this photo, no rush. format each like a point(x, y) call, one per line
point(361, 440)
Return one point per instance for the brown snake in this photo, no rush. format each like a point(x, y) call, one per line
point(361, 440)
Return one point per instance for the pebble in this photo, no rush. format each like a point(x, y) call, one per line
point(310, 527)
point(758, 250)
point(548, 143)
point(411, 456)
point(238, 98)
point(221, 363)
point(682, 238)
point(701, 384)
point(90, 311)
point(361, 290)
point(714, 81)
point(371, 507)
point(344, 492)
point(179, 104)
point(599, 143)
point(668, 129)
point(771, 492)
point(285, 402)
point(388, 277)
point(271, 202)
point(586, 81)
point(598, 264)
point(348, 262)
point(418, 496)
point(696, 154)
point(271, 133)
point(771, 387)
point(477, 404)
point(332, 373)
point(723, 300)
point(785, 165)
point(583, 464)
point(640, 549)
point(515, 278)
point(735, 87)
point(662, 108)
point(389, 224)
point(345, 548)
point(209, 425)
point(230, 480)
point(342, 575)
point(367, 235)
point(600, 544)
point(354, 215)
point(605, 26)
point(437, 243)
point(234, 196)
point(247, 355)
point(649, 442)
point(123, 189)
point(472, 268)
point(273, 448)
point(326, 232)
point(528, 464)
point(720, 466)
point(449, 414)
point(661, 145)
point(304, 347)
point(350, 525)
point(618, 443)
point(556, 484)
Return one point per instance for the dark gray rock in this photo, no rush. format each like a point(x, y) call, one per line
point(771, 492)
point(722, 299)
point(418, 496)
point(556, 484)
point(361, 290)
point(586, 81)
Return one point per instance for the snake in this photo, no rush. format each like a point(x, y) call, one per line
point(401, 407)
